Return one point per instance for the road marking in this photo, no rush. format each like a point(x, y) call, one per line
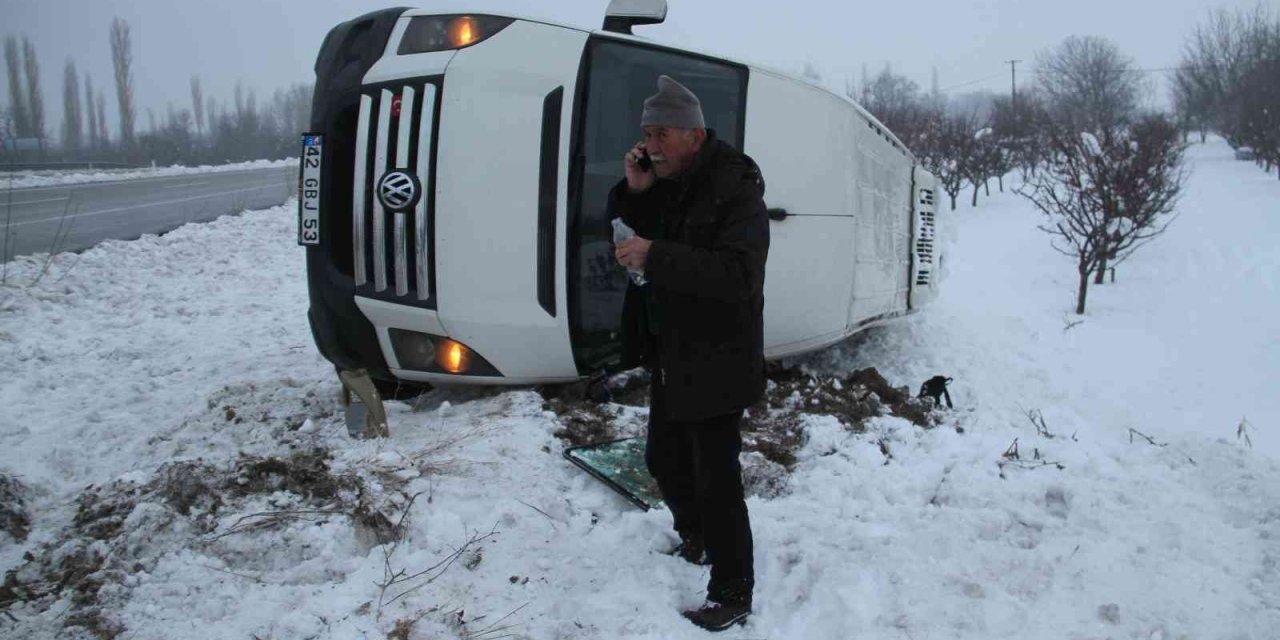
point(19, 204)
point(145, 205)
point(189, 184)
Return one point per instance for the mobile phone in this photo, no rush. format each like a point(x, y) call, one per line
point(644, 162)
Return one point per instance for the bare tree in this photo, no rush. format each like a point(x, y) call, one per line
point(1191, 104)
point(976, 168)
point(242, 133)
point(197, 104)
point(104, 136)
point(91, 117)
point(72, 137)
point(1010, 131)
point(1217, 58)
point(172, 141)
point(1259, 109)
point(291, 110)
point(1253, 101)
point(989, 160)
point(1001, 160)
point(35, 97)
point(1063, 192)
point(18, 105)
point(1088, 83)
point(896, 102)
point(7, 131)
point(1105, 195)
point(1020, 130)
point(948, 149)
point(1146, 184)
point(1228, 80)
point(122, 62)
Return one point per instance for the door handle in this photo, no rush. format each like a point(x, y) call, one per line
point(777, 214)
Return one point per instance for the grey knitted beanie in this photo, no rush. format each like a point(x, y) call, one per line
point(673, 106)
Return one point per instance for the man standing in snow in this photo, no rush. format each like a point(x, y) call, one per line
point(697, 324)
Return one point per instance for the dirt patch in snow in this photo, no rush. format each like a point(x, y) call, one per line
point(124, 528)
point(14, 518)
point(584, 422)
point(853, 399)
point(773, 429)
point(593, 413)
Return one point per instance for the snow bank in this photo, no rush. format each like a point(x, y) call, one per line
point(22, 179)
point(194, 347)
point(1184, 343)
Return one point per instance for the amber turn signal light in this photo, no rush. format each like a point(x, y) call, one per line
point(452, 356)
point(463, 31)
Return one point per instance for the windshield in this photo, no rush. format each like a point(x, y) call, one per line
point(619, 77)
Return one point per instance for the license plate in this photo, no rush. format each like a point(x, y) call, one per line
point(309, 190)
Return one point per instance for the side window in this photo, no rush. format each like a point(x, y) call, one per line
point(621, 75)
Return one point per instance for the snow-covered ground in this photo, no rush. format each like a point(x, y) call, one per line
point(22, 179)
point(193, 348)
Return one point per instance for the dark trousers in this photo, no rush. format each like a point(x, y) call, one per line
point(697, 469)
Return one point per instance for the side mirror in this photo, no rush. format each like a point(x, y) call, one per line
point(622, 15)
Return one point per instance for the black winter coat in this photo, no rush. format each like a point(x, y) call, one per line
point(699, 321)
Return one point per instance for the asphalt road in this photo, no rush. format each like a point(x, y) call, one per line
point(76, 217)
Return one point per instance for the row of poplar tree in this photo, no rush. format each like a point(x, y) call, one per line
point(209, 132)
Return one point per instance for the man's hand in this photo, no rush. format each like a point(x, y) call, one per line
point(633, 252)
point(637, 179)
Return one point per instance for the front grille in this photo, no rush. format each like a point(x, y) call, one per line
point(925, 238)
point(392, 249)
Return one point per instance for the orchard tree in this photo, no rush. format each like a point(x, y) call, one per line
point(1105, 195)
point(949, 150)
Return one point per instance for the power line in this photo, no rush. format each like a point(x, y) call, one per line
point(1153, 70)
point(1038, 72)
point(972, 82)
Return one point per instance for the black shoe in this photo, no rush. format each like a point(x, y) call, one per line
point(692, 550)
point(718, 616)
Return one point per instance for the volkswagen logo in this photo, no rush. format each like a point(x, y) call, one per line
point(399, 190)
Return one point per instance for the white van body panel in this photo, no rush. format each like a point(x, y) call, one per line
point(882, 250)
point(807, 170)
point(487, 197)
point(841, 258)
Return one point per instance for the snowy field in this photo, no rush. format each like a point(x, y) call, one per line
point(23, 179)
point(174, 373)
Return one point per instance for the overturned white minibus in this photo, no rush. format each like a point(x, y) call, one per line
point(455, 178)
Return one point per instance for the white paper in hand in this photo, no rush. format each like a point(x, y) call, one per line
point(622, 232)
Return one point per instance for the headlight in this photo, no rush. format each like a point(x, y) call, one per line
point(442, 33)
point(414, 350)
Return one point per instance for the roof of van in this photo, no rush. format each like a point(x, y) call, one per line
point(444, 7)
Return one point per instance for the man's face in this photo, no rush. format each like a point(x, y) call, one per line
point(672, 150)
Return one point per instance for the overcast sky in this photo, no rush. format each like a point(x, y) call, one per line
point(272, 43)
